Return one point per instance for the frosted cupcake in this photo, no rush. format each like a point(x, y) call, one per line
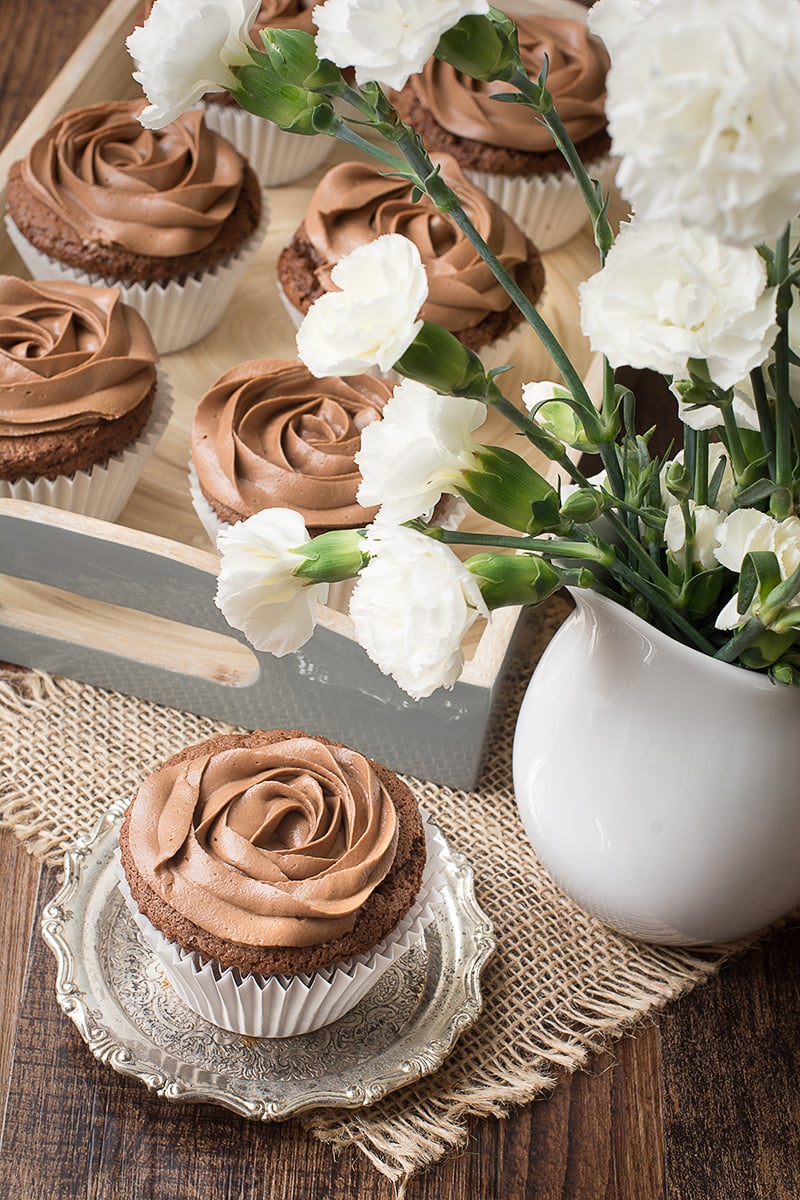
point(355, 203)
point(276, 876)
point(82, 405)
point(502, 147)
point(171, 216)
point(269, 434)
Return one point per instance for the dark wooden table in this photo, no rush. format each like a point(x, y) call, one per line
point(702, 1104)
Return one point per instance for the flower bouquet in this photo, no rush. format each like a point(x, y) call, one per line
point(703, 543)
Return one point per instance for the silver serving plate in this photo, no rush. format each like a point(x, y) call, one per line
point(114, 990)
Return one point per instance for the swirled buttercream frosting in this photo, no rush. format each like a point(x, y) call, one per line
point(355, 203)
point(164, 193)
point(576, 79)
point(269, 434)
point(271, 845)
point(70, 355)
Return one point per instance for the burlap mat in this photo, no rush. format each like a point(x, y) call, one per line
point(558, 988)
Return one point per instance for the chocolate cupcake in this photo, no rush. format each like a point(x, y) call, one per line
point(171, 216)
point(269, 434)
point(355, 203)
point(276, 875)
point(81, 403)
point(503, 148)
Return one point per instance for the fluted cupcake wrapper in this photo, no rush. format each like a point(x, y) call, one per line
point(549, 208)
point(105, 489)
point(276, 1006)
point(177, 313)
point(276, 156)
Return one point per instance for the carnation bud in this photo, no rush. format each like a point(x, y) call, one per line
point(332, 557)
point(437, 358)
point(513, 578)
point(678, 481)
point(480, 47)
point(291, 53)
point(504, 488)
point(583, 506)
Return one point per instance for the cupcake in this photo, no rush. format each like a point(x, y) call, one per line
point(504, 148)
point(268, 434)
point(276, 875)
point(277, 156)
point(355, 202)
point(171, 216)
point(81, 402)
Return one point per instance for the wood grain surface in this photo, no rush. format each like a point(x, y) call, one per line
point(702, 1104)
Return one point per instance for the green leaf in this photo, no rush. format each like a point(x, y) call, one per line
point(760, 573)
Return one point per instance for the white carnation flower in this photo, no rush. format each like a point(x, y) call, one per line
point(386, 40)
point(371, 321)
point(748, 531)
point(667, 294)
point(412, 606)
point(257, 590)
point(611, 20)
point(186, 49)
point(704, 112)
point(417, 451)
point(709, 416)
point(706, 521)
point(744, 531)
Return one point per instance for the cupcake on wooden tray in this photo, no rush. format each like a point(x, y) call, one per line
point(172, 216)
point(82, 405)
point(268, 434)
point(355, 203)
point(503, 147)
point(276, 876)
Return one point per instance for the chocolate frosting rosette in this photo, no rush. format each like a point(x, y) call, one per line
point(269, 434)
point(355, 203)
point(98, 197)
point(81, 402)
point(276, 875)
point(502, 147)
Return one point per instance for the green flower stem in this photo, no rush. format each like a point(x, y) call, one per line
point(608, 456)
point(447, 202)
point(603, 236)
point(547, 547)
point(701, 467)
point(734, 441)
point(640, 555)
point(740, 641)
point(783, 400)
point(495, 398)
point(765, 421)
point(333, 125)
point(669, 616)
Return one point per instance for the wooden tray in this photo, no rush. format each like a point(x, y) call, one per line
point(129, 605)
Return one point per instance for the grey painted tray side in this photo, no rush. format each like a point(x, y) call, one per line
point(327, 687)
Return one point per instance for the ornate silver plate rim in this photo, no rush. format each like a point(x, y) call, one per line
point(458, 943)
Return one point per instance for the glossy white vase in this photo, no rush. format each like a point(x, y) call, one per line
point(660, 788)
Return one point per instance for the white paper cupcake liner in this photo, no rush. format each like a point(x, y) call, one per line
point(105, 489)
point(550, 208)
point(276, 1006)
point(177, 314)
point(277, 157)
